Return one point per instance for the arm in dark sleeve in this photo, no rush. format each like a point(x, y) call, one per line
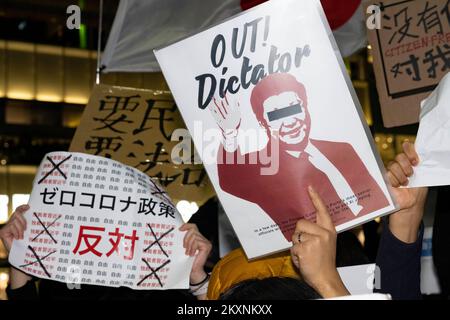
point(399, 266)
point(26, 292)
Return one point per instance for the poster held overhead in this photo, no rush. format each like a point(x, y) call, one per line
point(271, 110)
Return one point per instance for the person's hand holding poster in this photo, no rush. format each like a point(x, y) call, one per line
point(271, 110)
point(96, 221)
point(410, 50)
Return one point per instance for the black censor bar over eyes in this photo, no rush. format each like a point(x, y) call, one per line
point(284, 112)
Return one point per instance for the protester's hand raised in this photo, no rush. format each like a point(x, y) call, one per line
point(399, 171)
point(314, 251)
point(196, 245)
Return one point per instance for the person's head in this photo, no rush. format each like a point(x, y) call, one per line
point(271, 288)
point(280, 105)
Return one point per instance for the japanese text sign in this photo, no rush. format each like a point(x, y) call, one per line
point(411, 53)
point(95, 221)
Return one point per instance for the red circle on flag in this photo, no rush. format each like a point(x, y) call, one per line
point(337, 12)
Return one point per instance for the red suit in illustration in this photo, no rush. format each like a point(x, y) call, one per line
point(334, 169)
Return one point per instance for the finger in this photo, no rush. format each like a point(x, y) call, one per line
point(300, 237)
point(298, 251)
point(188, 241)
point(305, 226)
point(295, 259)
point(186, 236)
point(323, 217)
point(224, 107)
point(199, 245)
point(218, 118)
point(397, 171)
point(236, 107)
point(404, 162)
point(394, 182)
point(411, 153)
point(192, 245)
point(296, 237)
point(188, 226)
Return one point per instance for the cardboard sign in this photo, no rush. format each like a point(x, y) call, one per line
point(271, 110)
point(135, 127)
point(411, 53)
point(96, 221)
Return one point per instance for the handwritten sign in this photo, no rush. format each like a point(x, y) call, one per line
point(135, 127)
point(96, 221)
point(277, 115)
point(411, 53)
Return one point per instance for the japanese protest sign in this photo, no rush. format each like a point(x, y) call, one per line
point(272, 111)
point(411, 53)
point(135, 127)
point(95, 221)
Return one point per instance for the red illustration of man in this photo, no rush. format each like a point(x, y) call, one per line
point(334, 169)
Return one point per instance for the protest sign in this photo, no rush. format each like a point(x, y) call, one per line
point(433, 139)
point(96, 221)
point(271, 110)
point(135, 127)
point(411, 53)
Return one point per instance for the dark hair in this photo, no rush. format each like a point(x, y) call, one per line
point(272, 288)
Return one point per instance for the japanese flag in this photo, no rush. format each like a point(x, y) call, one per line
point(141, 26)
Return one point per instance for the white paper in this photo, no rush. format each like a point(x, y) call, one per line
point(433, 139)
point(429, 281)
point(96, 221)
point(359, 279)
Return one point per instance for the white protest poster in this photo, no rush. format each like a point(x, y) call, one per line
point(433, 139)
point(271, 110)
point(93, 220)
